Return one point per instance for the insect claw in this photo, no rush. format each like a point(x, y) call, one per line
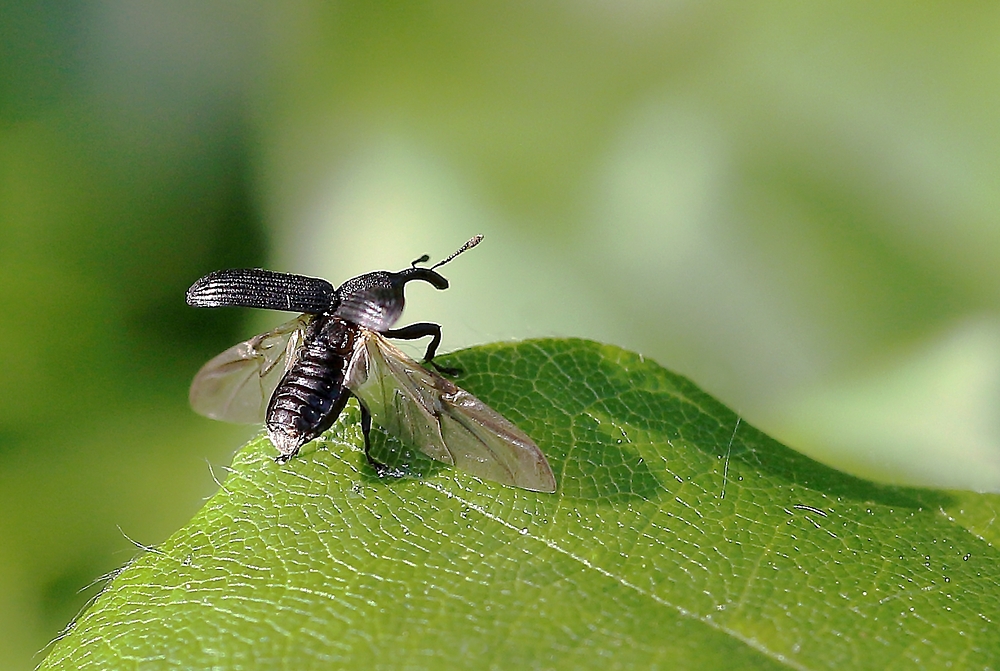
point(446, 370)
point(384, 471)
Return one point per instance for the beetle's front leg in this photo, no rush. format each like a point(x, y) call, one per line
point(422, 330)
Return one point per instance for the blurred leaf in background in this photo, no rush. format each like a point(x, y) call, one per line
point(794, 205)
point(123, 176)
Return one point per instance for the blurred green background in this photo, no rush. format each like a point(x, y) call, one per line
point(796, 205)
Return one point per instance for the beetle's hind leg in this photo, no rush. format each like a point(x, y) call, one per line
point(422, 330)
point(381, 470)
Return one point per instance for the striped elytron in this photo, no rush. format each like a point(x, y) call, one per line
point(299, 376)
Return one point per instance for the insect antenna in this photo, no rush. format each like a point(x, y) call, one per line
point(426, 274)
point(464, 248)
point(423, 259)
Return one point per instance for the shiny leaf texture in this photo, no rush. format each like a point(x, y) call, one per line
point(680, 537)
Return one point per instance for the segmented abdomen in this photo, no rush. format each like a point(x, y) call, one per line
point(311, 395)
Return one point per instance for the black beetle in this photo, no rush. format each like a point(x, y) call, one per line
point(299, 376)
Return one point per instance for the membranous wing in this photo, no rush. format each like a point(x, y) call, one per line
point(427, 411)
point(235, 386)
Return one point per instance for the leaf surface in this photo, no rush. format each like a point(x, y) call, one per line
point(679, 537)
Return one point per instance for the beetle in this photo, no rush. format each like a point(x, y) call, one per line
point(299, 376)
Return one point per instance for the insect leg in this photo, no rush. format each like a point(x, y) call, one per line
point(381, 470)
point(417, 331)
point(422, 330)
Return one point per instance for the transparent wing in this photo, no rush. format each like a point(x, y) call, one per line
point(235, 386)
point(429, 412)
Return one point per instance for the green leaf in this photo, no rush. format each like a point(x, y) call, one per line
point(679, 537)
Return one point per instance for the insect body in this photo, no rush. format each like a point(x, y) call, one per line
point(299, 376)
